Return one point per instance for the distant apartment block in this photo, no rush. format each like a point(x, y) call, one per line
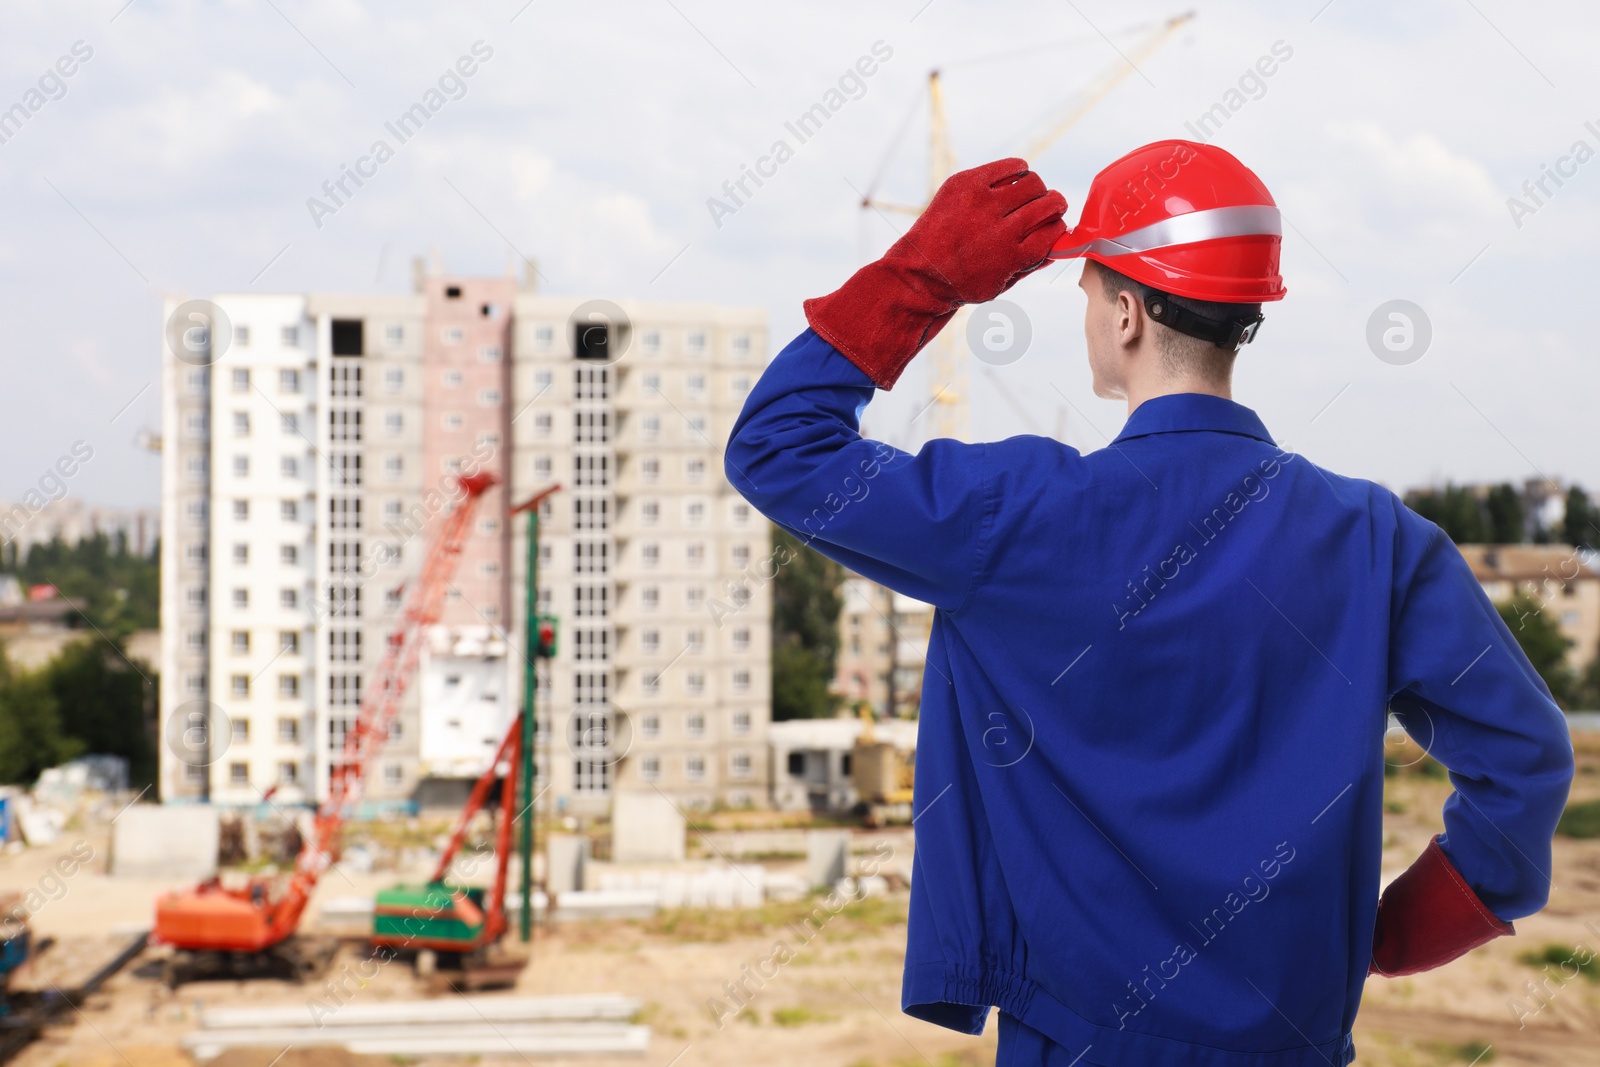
point(883, 648)
point(1563, 582)
point(306, 470)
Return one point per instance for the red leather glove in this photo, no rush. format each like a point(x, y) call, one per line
point(985, 228)
point(1429, 916)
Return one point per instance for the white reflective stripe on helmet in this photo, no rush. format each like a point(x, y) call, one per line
point(1248, 220)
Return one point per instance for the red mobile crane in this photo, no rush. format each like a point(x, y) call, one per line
point(246, 923)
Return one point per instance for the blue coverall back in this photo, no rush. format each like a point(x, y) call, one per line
point(1150, 751)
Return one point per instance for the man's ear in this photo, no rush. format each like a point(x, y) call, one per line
point(1130, 318)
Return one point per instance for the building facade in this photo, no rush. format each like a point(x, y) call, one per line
point(311, 450)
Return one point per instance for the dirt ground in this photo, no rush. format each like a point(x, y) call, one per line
point(836, 1003)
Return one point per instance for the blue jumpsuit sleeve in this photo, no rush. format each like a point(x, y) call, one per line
point(1462, 687)
point(917, 524)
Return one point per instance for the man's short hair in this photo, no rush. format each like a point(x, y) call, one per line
point(1180, 353)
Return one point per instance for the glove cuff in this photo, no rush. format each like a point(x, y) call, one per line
point(881, 317)
point(1429, 916)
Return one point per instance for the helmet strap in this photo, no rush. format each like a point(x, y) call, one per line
point(1229, 334)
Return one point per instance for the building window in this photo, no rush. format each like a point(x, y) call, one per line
point(695, 512)
point(741, 722)
point(196, 381)
point(695, 640)
point(289, 642)
point(650, 597)
point(196, 467)
point(289, 336)
point(544, 337)
point(344, 646)
point(650, 469)
point(394, 423)
point(289, 511)
point(452, 335)
point(740, 387)
point(694, 683)
point(394, 335)
point(650, 768)
point(288, 555)
point(194, 554)
point(288, 381)
point(694, 386)
point(288, 773)
point(241, 424)
point(651, 383)
point(741, 555)
point(239, 688)
point(741, 345)
point(344, 424)
point(650, 641)
point(195, 424)
point(393, 775)
point(741, 639)
point(393, 379)
point(344, 380)
point(592, 470)
point(696, 429)
point(650, 512)
point(591, 427)
point(241, 380)
point(650, 554)
point(240, 641)
point(650, 342)
point(344, 513)
point(195, 642)
point(650, 683)
point(489, 354)
point(288, 599)
point(589, 557)
point(394, 467)
point(239, 774)
point(739, 765)
point(241, 598)
point(695, 554)
point(241, 466)
point(590, 601)
point(488, 397)
point(195, 683)
point(344, 690)
point(195, 512)
point(695, 343)
point(650, 427)
point(650, 725)
point(694, 469)
point(591, 645)
point(692, 597)
point(741, 680)
point(694, 768)
point(195, 598)
point(288, 686)
point(289, 467)
point(289, 731)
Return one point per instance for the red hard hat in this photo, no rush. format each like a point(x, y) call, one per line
point(1186, 218)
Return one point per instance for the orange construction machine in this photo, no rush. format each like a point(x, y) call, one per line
point(237, 925)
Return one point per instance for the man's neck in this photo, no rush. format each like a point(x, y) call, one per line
point(1139, 394)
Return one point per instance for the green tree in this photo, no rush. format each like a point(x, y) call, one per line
point(1456, 509)
point(1581, 526)
point(31, 738)
point(1543, 643)
point(116, 590)
point(1503, 509)
point(806, 600)
point(105, 704)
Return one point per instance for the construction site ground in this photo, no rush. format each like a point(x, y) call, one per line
point(836, 1002)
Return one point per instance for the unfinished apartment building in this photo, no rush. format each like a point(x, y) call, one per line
point(304, 463)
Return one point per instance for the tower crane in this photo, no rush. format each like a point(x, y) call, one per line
point(947, 405)
point(255, 923)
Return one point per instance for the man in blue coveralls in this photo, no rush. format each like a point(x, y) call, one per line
point(1150, 751)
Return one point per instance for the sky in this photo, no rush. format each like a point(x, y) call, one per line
point(179, 156)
